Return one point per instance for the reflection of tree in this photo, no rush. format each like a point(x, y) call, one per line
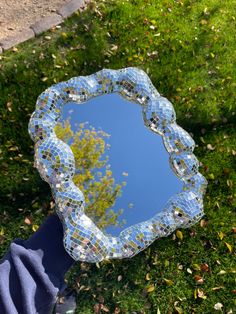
point(93, 175)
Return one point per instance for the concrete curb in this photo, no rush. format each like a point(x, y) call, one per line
point(44, 24)
point(16, 39)
point(70, 7)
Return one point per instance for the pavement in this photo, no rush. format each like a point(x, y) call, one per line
point(14, 33)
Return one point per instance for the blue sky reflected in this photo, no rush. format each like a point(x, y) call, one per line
point(135, 151)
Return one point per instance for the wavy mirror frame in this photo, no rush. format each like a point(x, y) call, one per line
point(54, 159)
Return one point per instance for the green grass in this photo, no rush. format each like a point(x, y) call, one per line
point(188, 50)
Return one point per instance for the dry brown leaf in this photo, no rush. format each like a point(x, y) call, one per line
point(201, 294)
point(198, 279)
point(104, 308)
point(203, 223)
point(204, 268)
point(28, 221)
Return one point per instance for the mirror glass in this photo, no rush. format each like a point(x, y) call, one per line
point(133, 156)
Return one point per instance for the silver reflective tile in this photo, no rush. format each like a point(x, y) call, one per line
point(55, 162)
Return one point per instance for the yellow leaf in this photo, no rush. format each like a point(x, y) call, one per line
point(2, 232)
point(179, 235)
point(229, 247)
point(203, 22)
point(35, 227)
point(221, 235)
point(169, 282)
point(64, 35)
point(196, 267)
point(211, 176)
point(178, 310)
point(151, 288)
point(148, 276)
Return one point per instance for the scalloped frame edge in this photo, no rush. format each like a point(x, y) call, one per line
point(83, 240)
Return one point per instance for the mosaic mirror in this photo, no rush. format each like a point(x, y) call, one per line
point(122, 172)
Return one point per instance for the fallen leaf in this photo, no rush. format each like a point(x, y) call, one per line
point(217, 288)
point(221, 235)
point(210, 147)
point(119, 278)
point(218, 306)
point(168, 282)
point(27, 221)
point(151, 288)
point(35, 227)
point(198, 279)
point(203, 223)
point(211, 176)
point(104, 308)
point(148, 276)
point(201, 294)
point(229, 247)
point(97, 308)
point(203, 22)
point(196, 267)
point(178, 310)
point(9, 106)
point(117, 310)
point(64, 35)
point(179, 235)
point(204, 268)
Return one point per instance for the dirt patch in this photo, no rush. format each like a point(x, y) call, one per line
point(16, 15)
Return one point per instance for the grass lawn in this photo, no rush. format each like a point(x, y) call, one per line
point(188, 50)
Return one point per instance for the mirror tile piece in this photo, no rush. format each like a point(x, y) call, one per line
point(83, 240)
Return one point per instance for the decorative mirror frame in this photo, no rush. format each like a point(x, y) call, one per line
point(54, 159)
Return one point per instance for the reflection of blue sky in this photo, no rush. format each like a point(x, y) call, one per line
point(134, 150)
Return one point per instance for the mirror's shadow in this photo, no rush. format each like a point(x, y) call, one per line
point(136, 156)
